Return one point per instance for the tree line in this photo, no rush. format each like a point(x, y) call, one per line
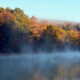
point(19, 32)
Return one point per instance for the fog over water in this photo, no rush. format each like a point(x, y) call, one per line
point(23, 66)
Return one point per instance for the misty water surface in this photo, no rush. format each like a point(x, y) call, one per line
point(24, 66)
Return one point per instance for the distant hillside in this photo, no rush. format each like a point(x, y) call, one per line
point(21, 33)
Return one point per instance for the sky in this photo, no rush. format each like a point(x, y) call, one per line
point(68, 10)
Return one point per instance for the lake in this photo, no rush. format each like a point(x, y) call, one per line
point(54, 66)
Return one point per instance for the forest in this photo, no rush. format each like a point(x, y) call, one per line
point(21, 33)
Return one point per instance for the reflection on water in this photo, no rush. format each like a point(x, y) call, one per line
point(57, 66)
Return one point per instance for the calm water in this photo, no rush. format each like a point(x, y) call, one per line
point(25, 66)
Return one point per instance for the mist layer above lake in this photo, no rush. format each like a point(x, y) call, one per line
point(23, 67)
